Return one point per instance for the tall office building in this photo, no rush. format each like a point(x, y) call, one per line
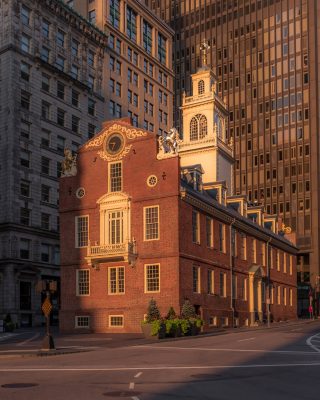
point(138, 76)
point(265, 55)
point(51, 64)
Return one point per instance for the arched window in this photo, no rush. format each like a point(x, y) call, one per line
point(194, 129)
point(198, 127)
point(201, 87)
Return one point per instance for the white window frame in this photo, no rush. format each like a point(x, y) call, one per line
point(210, 277)
point(117, 292)
point(209, 221)
point(197, 227)
point(145, 278)
point(76, 322)
point(109, 177)
point(116, 316)
point(198, 288)
point(156, 206)
point(78, 294)
point(224, 284)
point(77, 230)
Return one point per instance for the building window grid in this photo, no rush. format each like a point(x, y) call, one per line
point(116, 280)
point(116, 321)
point(198, 127)
point(131, 24)
point(115, 224)
point(82, 321)
point(151, 223)
point(114, 13)
point(152, 278)
point(162, 48)
point(83, 282)
point(147, 37)
point(82, 231)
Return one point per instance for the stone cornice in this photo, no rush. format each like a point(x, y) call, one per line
point(58, 7)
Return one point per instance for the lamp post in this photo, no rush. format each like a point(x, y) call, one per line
point(47, 287)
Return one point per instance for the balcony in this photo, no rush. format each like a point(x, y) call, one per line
point(126, 252)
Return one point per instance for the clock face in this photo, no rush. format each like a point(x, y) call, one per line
point(114, 143)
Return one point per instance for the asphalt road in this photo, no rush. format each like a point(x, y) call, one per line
point(281, 363)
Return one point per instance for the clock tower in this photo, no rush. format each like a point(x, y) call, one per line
point(204, 116)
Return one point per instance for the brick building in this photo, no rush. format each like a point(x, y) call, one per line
point(138, 221)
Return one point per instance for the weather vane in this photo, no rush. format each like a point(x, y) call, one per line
point(204, 48)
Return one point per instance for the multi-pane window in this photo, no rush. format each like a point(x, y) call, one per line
point(25, 188)
point(25, 129)
point(25, 15)
point(91, 57)
point(45, 193)
point(201, 87)
point(24, 71)
point(91, 107)
point(75, 123)
point(83, 282)
point(25, 100)
point(25, 214)
point(82, 321)
point(196, 279)
point(223, 284)
point(74, 71)
point(61, 117)
point(222, 238)
point(209, 231)
point(195, 227)
point(25, 245)
point(75, 98)
point(147, 37)
point(152, 278)
point(131, 24)
point(60, 63)
point(44, 55)
point(25, 43)
point(82, 231)
point(115, 226)
point(74, 48)
point(45, 28)
point(162, 48)
point(116, 280)
point(24, 158)
point(114, 12)
point(151, 223)
point(91, 130)
point(60, 38)
point(115, 177)
point(45, 252)
point(115, 321)
point(45, 221)
point(60, 90)
point(92, 16)
point(91, 81)
point(210, 281)
point(61, 141)
point(45, 165)
point(45, 84)
point(198, 127)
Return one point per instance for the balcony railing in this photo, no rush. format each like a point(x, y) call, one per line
point(112, 252)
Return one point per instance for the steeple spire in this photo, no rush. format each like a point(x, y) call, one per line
point(204, 48)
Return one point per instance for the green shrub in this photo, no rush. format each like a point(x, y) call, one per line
point(171, 313)
point(153, 312)
point(188, 310)
point(185, 326)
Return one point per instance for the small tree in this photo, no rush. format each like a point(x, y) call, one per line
point(188, 310)
point(171, 313)
point(153, 312)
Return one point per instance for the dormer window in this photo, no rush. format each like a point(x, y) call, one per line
point(197, 181)
point(198, 127)
point(201, 87)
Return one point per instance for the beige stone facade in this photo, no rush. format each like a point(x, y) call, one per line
point(138, 77)
point(51, 64)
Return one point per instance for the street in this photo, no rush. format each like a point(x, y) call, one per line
point(280, 363)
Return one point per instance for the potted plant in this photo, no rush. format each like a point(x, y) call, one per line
point(153, 326)
point(194, 322)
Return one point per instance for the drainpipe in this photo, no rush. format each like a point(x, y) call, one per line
point(268, 282)
point(231, 272)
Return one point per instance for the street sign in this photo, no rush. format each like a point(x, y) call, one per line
point(46, 307)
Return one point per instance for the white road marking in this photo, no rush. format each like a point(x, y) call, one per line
point(135, 398)
point(312, 338)
point(160, 368)
point(138, 374)
point(131, 385)
point(10, 335)
point(244, 340)
point(230, 350)
point(29, 340)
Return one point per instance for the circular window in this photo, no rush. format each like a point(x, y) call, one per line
point(152, 180)
point(80, 193)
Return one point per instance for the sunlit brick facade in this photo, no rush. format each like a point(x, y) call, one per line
point(265, 54)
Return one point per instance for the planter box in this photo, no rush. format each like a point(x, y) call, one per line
point(147, 328)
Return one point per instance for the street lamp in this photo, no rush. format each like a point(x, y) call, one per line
point(47, 287)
